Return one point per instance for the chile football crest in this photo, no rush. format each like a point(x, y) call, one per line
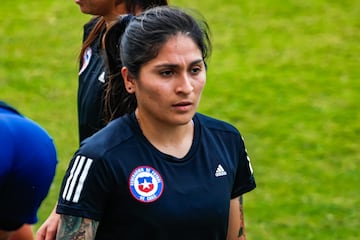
point(146, 184)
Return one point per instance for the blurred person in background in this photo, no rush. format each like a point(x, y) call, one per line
point(27, 168)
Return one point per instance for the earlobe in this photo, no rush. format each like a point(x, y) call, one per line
point(128, 80)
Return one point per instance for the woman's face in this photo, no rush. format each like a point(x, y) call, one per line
point(169, 87)
point(97, 7)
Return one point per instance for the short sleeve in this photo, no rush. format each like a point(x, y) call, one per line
point(244, 178)
point(85, 188)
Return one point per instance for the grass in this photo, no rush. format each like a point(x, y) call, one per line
point(286, 73)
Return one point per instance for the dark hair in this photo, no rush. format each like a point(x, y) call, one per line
point(131, 6)
point(139, 39)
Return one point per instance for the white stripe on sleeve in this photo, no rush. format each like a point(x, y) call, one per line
point(82, 179)
point(70, 177)
point(75, 181)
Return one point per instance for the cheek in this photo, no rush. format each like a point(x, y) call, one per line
point(150, 92)
point(200, 83)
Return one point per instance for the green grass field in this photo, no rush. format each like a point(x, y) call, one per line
point(286, 73)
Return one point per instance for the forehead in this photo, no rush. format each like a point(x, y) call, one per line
point(179, 46)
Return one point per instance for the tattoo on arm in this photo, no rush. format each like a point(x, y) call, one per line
point(76, 228)
point(242, 222)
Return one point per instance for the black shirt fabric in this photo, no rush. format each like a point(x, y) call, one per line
point(91, 86)
point(120, 179)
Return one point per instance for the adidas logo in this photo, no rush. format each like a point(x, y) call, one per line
point(220, 171)
point(101, 77)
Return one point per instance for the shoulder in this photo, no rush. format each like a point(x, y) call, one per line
point(7, 107)
point(215, 124)
point(23, 140)
point(17, 125)
point(216, 130)
point(112, 135)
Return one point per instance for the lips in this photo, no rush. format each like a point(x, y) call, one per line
point(182, 104)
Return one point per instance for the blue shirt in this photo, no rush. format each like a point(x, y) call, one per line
point(27, 167)
point(91, 86)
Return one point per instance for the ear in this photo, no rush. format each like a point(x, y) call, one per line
point(129, 81)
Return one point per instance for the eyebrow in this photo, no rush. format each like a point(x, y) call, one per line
point(169, 65)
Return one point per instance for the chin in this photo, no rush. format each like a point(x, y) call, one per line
point(184, 120)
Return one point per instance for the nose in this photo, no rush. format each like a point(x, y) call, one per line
point(184, 84)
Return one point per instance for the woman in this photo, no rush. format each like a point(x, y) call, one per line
point(92, 79)
point(163, 171)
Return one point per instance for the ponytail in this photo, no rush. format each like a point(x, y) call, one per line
point(117, 100)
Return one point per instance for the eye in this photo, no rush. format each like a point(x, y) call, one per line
point(195, 70)
point(166, 73)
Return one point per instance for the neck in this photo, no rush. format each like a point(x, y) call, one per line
point(169, 139)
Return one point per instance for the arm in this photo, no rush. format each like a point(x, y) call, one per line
point(76, 228)
point(236, 228)
point(23, 233)
point(4, 235)
point(48, 229)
